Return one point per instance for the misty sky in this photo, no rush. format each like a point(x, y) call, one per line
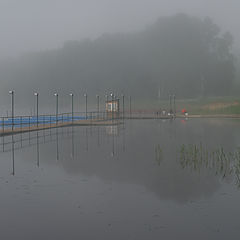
point(33, 25)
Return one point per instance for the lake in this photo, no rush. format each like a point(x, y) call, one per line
point(144, 179)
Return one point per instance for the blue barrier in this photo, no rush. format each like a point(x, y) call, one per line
point(26, 121)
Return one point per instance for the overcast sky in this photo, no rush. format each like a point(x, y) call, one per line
point(33, 25)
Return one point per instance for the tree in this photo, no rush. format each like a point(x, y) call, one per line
point(180, 54)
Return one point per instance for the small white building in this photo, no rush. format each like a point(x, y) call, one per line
point(112, 106)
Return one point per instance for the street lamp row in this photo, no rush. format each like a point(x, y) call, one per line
point(172, 103)
point(72, 95)
point(12, 94)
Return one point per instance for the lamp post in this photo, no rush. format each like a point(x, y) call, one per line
point(170, 103)
point(36, 94)
point(123, 106)
point(56, 95)
point(106, 105)
point(174, 105)
point(71, 94)
point(85, 95)
point(97, 96)
point(12, 93)
point(106, 96)
point(112, 95)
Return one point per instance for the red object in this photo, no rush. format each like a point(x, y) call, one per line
point(184, 111)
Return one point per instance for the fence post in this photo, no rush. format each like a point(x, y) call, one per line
point(21, 129)
point(21, 123)
point(3, 124)
point(29, 139)
point(56, 120)
point(3, 134)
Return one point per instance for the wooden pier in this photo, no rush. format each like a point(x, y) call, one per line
point(89, 122)
point(22, 124)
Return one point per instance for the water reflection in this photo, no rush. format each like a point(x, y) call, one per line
point(57, 148)
point(147, 152)
point(136, 163)
point(13, 156)
point(98, 135)
point(20, 141)
point(72, 138)
point(221, 163)
point(86, 137)
point(38, 159)
point(161, 182)
point(3, 144)
point(27, 140)
point(123, 136)
point(113, 132)
point(158, 154)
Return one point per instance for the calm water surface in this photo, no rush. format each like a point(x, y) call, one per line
point(146, 179)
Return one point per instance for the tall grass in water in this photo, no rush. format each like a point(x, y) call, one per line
point(158, 154)
point(196, 158)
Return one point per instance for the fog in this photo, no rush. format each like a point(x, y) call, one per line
point(146, 49)
point(32, 25)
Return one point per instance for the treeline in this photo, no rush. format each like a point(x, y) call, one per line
point(184, 55)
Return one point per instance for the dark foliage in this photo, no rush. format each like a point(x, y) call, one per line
point(181, 54)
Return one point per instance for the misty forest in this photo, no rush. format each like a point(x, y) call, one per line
point(119, 120)
point(181, 54)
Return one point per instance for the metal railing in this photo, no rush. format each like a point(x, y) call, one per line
point(50, 120)
point(25, 123)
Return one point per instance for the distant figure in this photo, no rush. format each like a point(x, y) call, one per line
point(158, 113)
point(184, 112)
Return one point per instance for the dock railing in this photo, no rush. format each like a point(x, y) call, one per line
point(27, 122)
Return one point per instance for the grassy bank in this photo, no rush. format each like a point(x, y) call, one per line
point(197, 106)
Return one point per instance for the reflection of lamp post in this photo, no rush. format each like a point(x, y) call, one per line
point(12, 93)
point(56, 95)
point(36, 94)
point(71, 94)
point(112, 95)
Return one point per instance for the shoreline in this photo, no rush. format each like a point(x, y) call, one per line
point(237, 116)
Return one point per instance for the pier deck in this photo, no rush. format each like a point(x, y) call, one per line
point(19, 129)
point(23, 124)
